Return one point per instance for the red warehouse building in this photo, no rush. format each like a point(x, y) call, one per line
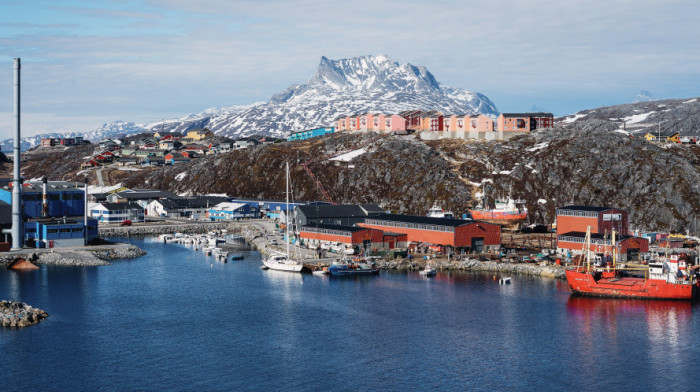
point(573, 221)
point(351, 236)
point(456, 233)
point(628, 247)
point(601, 219)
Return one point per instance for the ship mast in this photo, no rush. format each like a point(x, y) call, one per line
point(587, 245)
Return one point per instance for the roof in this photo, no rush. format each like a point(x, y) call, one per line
point(120, 206)
point(52, 186)
point(351, 229)
point(587, 208)
point(137, 194)
point(228, 206)
point(338, 210)
point(537, 114)
point(426, 220)
point(598, 236)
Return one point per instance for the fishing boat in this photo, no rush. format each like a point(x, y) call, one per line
point(429, 270)
point(668, 278)
point(506, 212)
point(352, 269)
point(282, 261)
point(438, 212)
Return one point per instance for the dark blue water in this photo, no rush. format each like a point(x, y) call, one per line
point(177, 320)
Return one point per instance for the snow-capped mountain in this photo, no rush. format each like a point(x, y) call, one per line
point(339, 87)
point(644, 96)
point(342, 87)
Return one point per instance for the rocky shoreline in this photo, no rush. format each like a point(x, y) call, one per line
point(186, 228)
point(19, 314)
point(549, 271)
point(71, 257)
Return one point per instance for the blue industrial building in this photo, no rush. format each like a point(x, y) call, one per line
point(61, 222)
point(268, 208)
point(309, 133)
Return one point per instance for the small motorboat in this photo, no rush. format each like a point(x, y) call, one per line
point(236, 256)
point(504, 281)
point(428, 271)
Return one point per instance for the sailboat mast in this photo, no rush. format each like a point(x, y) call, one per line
point(286, 215)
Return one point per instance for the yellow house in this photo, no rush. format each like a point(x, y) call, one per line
point(650, 137)
point(675, 138)
point(199, 134)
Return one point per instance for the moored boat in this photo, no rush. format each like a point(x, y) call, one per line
point(429, 270)
point(663, 279)
point(352, 269)
point(283, 261)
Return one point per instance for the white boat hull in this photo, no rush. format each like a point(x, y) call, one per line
point(283, 266)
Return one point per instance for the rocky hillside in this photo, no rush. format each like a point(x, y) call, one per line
point(673, 115)
point(659, 185)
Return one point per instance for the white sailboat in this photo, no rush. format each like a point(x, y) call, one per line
point(281, 261)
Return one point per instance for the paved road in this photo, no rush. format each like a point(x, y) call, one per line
point(101, 182)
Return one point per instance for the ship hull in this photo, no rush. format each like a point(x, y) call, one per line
point(583, 283)
point(503, 218)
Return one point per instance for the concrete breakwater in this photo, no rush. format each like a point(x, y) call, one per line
point(185, 228)
point(97, 256)
point(19, 314)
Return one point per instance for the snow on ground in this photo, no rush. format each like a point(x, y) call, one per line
point(691, 100)
point(541, 201)
point(622, 131)
point(217, 194)
point(83, 172)
point(538, 146)
point(349, 156)
point(575, 117)
point(637, 117)
point(505, 172)
point(180, 176)
point(127, 168)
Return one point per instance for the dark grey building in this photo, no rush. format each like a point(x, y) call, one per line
point(341, 214)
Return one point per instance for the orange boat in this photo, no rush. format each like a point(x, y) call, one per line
point(506, 212)
point(667, 279)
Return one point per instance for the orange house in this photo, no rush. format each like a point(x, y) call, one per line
point(378, 122)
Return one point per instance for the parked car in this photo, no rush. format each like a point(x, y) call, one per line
point(125, 223)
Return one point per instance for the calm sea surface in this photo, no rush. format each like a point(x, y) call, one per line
point(177, 320)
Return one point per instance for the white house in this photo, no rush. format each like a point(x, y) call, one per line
point(228, 210)
point(117, 212)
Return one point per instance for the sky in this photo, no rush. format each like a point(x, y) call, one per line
point(85, 63)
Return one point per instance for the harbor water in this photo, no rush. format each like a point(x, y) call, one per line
point(176, 319)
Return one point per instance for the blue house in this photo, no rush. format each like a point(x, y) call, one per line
point(309, 133)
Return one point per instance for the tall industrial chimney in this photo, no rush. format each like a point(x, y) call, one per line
point(44, 198)
point(17, 184)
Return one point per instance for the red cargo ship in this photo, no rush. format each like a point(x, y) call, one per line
point(664, 279)
point(506, 213)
